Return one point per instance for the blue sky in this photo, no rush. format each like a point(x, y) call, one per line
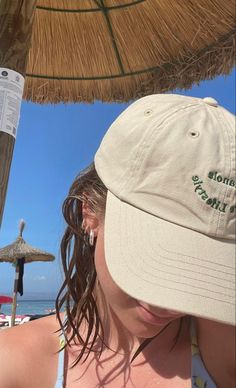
point(53, 144)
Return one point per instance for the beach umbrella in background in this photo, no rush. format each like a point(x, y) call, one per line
point(19, 253)
point(108, 50)
point(4, 299)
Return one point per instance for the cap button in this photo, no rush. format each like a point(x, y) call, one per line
point(210, 101)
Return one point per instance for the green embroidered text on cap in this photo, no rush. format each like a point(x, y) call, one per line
point(217, 177)
point(213, 202)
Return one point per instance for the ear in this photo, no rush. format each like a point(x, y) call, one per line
point(90, 220)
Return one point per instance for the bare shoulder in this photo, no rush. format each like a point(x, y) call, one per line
point(28, 354)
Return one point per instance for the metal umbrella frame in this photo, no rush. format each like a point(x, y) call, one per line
point(16, 252)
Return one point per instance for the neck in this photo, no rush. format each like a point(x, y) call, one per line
point(118, 339)
point(217, 347)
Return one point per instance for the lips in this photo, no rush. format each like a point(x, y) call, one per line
point(150, 312)
point(156, 318)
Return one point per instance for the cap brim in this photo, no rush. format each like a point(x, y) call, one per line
point(167, 265)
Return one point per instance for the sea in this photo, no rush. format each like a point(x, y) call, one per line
point(32, 307)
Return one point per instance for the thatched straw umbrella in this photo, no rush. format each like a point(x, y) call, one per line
point(20, 253)
point(109, 50)
point(118, 50)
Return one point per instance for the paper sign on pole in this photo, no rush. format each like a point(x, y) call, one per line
point(11, 90)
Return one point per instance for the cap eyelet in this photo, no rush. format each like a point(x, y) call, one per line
point(193, 133)
point(148, 112)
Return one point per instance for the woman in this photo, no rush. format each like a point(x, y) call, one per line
point(148, 247)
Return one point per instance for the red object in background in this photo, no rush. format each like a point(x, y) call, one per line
point(5, 299)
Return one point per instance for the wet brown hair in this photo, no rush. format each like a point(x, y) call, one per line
point(76, 295)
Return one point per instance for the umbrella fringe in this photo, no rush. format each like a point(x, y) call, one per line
point(179, 75)
point(150, 47)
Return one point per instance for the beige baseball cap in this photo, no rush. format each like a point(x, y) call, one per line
point(168, 162)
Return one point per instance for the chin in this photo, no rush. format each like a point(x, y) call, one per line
point(145, 331)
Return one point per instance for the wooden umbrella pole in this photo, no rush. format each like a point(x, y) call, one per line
point(16, 20)
point(13, 313)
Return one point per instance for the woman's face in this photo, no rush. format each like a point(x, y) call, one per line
point(139, 318)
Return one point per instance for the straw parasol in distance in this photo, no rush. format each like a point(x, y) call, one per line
point(20, 253)
point(118, 50)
